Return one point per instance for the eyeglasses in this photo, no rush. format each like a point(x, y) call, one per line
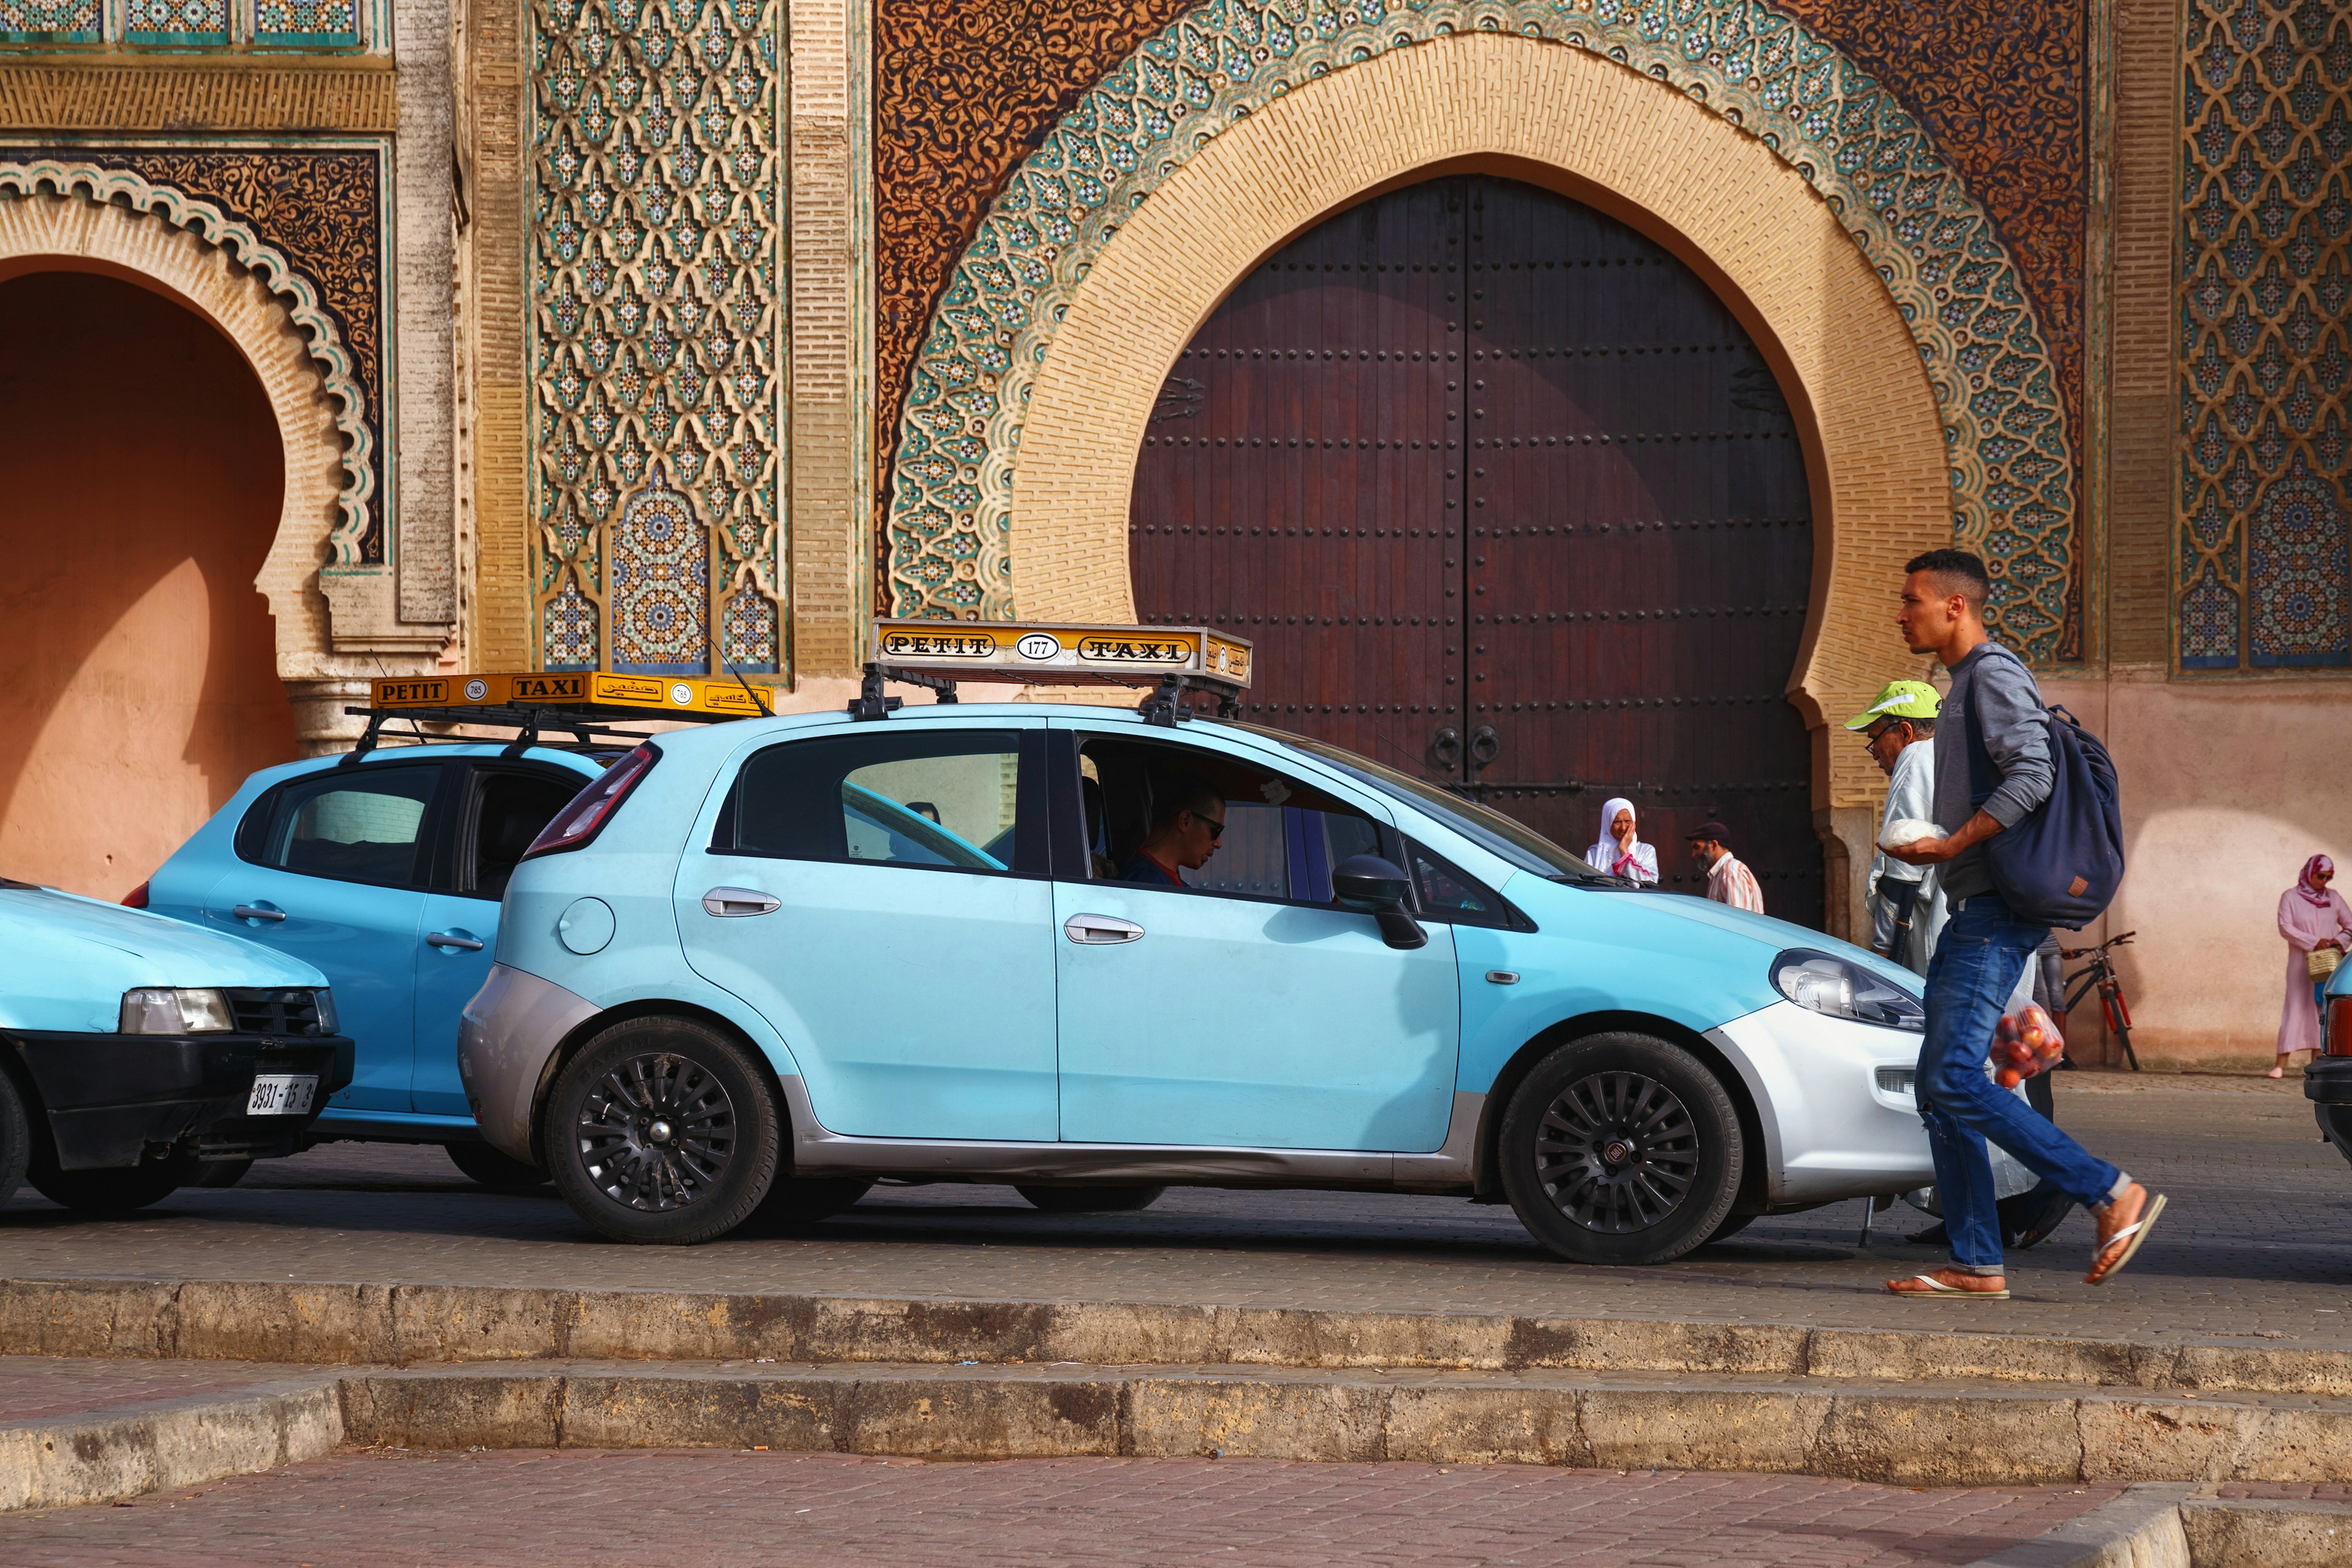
point(1216, 829)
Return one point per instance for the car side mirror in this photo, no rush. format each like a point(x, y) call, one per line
point(1368, 882)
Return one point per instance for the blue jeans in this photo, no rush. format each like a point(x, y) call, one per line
point(1977, 960)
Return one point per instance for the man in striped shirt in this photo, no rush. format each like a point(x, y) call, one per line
point(1728, 880)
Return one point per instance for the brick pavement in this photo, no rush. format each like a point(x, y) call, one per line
point(2254, 1247)
point(386, 1506)
point(33, 1387)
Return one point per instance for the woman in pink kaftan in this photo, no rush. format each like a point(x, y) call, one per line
point(2311, 914)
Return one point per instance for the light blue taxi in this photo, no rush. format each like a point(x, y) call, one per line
point(758, 966)
point(138, 1056)
point(384, 869)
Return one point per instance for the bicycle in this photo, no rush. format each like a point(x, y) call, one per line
point(2101, 972)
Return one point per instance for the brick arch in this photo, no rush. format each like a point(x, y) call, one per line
point(41, 232)
point(1746, 222)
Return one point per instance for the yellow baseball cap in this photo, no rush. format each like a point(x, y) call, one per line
point(1901, 700)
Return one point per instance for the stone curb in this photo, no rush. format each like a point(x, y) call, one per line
point(1889, 1433)
point(2258, 1532)
point(2140, 1529)
point(414, 1324)
point(109, 1455)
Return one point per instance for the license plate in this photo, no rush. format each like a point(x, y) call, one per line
point(281, 1094)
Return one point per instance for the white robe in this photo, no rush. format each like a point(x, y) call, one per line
point(1910, 793)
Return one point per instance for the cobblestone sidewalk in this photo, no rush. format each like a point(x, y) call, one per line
point(380, 1507)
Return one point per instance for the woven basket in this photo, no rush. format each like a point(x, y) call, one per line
point(2321, 961)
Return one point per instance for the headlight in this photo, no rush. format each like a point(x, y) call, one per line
point(159, 1010)
point(326, 1010)
point(1842, 990)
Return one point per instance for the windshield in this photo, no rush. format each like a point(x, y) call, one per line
point(1489, 829)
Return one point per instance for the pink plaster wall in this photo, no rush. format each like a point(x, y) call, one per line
point(2226, 787)
point(138, 677)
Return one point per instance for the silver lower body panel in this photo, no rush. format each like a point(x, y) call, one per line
point(505, 1043)
point(819, 1153)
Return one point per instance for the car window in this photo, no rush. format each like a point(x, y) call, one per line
point(351, 827)
point(1281, 835)
point(510, 808)
point(1448, 893)
point(945, 799)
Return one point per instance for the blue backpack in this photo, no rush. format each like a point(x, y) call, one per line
point(2061, 864)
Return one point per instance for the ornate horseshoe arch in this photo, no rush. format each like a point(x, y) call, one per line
point(1758, 79)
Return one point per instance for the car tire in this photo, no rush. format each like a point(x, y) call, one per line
point(661, 1131)
point(1091, 1200)
point(117, 1191)
point(487, 1167)
point(795, 1203)
point(1732, 1224)
point(221, 1173)
point(15, 1137)
point(1621, 1149)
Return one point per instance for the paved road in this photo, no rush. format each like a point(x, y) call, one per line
point(2256, 1247)
point(380, 1507)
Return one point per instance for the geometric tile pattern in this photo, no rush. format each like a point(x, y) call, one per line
point(653, 331)
point(51, 21)
point(2263, 356)
point(306, 24)
point(175, 22)
point(2011, 464)
point(310, 220)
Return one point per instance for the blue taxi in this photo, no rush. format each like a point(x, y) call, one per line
point(758, 966)
point(384, 869)
point(139, 1056)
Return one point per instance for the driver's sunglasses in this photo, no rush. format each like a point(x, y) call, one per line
point(1216, 829)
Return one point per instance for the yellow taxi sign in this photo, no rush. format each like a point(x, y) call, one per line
point(596, 692)
point(1057, 653)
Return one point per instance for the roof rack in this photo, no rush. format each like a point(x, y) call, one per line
point(559, 701)
point(1171, 660)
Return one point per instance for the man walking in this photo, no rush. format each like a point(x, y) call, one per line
point(1899, 730)
point(1727, 881)
point(1984, 949)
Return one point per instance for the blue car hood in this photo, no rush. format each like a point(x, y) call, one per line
point(66, 961)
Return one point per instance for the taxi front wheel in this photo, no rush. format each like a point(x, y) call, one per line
point(1621, 1148)
point(663, 1131)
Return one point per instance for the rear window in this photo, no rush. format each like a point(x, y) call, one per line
point(346, 826)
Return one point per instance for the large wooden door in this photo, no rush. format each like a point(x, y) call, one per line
point(1505, 497)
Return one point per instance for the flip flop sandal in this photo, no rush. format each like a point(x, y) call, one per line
point(1936, 1288)
point(2129, 1237)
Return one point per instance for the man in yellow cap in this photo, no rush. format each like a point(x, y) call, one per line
point(1899, 730)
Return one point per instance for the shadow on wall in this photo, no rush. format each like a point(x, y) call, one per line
point(138, 675)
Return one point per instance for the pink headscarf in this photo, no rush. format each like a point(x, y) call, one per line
point(2311, 889)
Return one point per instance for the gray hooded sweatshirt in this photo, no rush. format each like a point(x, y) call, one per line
point(1995, 683)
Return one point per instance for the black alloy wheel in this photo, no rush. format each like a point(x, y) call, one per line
point(661, 1129)
point(1091, 1200)
point(1622, 1147)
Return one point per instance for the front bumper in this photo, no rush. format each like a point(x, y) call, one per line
point(110, 1097)
point(507, 1037)
point(1835, 1099)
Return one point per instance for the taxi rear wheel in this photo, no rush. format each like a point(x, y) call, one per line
point(662, 1131)
point(1622, 1149)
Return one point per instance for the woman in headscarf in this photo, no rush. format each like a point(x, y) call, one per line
point(2311, 915)
point(1620, 851)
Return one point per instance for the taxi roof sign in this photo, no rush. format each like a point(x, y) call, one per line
point(1064, 653)
point(596, 694)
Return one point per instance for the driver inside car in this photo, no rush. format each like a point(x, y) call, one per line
point(1188, 817)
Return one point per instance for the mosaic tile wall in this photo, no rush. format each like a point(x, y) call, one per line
point(2264, 252)
point(329, 25)
point(2014, 474)
point(655, 333)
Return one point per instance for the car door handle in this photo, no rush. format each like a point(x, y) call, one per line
point(730, 903)
point(451, 939)
point(1100, 931)
point(258, 912)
